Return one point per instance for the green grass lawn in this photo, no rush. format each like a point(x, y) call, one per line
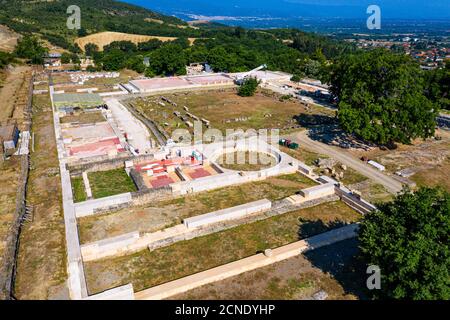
point(78, 190)
point(109, 183)
point(352, 177)
point(146, 269)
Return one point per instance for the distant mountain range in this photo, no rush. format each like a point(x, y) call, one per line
point(326, 16)
point(349, 9)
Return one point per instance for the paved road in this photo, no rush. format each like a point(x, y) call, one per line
point(389, 183)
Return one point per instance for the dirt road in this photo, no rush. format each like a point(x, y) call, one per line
point(13, 95)
point(134, 128)
point(389, 183)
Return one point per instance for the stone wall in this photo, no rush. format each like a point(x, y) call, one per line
point(151, 195)
point(138, 180)
point(106, 164)
point(129, 243)
point(228, 214)
point(96, 206)
point(354, 201)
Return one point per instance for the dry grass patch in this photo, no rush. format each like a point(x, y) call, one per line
point(226, 110)
point(14, 93)
point(84, 118)
point(146, 269)
point(437, 176)
point(9, 179)
point(8, 39)
point(41, 269)
point(156, 216)
point(102, 39)
point(340, 274)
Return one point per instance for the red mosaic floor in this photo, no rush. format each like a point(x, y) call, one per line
point(161, 181)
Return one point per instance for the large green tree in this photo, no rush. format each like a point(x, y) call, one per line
point(5, 59)
point(381, 97)
point(409, 240)
point(438, 86)
point(91, 49)
point(248, 87)
point(30, 47)
point(114, 60)
point(169, 59)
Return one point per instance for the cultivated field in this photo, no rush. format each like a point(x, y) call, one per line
point(146, 269)
point(104, 38)
point(164, 214)
point(226, 110)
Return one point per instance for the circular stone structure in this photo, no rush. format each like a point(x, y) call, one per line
point(245, 156)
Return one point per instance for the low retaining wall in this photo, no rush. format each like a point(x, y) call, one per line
point(318, 191)
point(155, 240)
point(137, 179)
point(303, 168)
point(143, 197)
point(230, 178)
point(228, 214)
point(113, 244)
point(91, 207)
point(106, 164)
point(120, 293)
point(251, 263)
point(355, 202)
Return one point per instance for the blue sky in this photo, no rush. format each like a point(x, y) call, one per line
point(414, 9)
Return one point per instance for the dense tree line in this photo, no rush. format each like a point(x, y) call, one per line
point(408, 239)
point(233, 50)
point(49, 19)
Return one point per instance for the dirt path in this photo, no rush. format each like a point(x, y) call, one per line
point(41, 263)
point(389, 183)
point(8, 39)
point(11, 92)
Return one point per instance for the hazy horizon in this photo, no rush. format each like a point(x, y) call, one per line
point(345, 9)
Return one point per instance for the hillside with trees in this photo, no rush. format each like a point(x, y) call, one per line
point(225, 48)
point(49, 19)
